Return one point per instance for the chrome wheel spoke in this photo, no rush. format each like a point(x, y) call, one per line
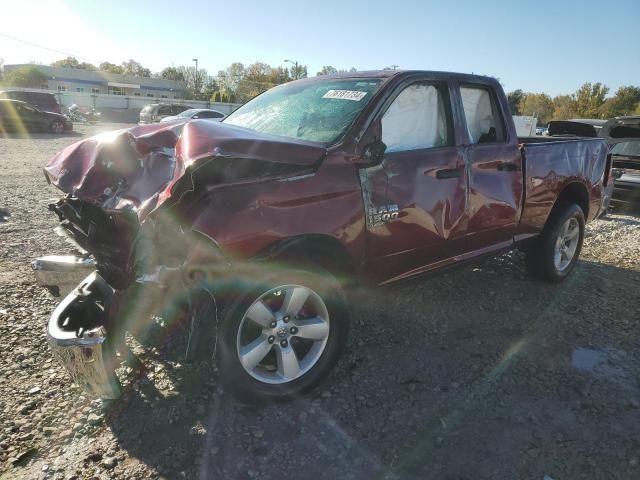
point(313, 328)
point(288, 364)
point(573, 233)
point(252, 354)
point(260, 314)
point(295, 299)
point(557, 259)
point(278, 330)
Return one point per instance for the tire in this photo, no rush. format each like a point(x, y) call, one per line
point(317, 299)
point(56, 127)
point(547, 258)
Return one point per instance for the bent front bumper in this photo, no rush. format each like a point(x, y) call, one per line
point(76, 332)
point(61, 273)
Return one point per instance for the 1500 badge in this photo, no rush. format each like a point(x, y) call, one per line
point(382, 215)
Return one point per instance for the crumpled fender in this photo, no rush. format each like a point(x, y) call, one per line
point(137, 168)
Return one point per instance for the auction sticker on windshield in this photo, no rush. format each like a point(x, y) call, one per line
point(354, 95)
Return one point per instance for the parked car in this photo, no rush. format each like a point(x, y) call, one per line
point(17, 116)
point(257, 225)
point(154, 112)
point(623, 134)
point(196, 113)
point(42, 100)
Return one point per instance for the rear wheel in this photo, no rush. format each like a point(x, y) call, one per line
point(553, 255)
point(284, 336)
point(56, 127)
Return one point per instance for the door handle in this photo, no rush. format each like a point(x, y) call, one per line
point(508, 167)
point(448, 173)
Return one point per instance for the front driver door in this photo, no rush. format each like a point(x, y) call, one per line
point(415, 199)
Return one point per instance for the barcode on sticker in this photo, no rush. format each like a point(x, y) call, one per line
point(345, 95)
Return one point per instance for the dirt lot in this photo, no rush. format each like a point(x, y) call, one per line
point(478, 374)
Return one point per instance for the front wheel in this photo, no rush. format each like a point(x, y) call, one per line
point(284, 336)
point(56, 127)
point(553, 255)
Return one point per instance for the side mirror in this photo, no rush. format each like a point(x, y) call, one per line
point(373, 153)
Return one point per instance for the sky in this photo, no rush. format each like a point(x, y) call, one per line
point(539, 46)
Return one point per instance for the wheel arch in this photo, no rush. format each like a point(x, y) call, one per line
point(573, 192)
point(319, 250)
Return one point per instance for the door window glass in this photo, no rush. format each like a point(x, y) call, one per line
point(484, 124)
point(418, 118)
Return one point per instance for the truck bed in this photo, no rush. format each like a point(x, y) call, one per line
point(552, 164)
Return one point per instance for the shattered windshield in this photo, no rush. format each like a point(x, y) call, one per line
point(319, 111)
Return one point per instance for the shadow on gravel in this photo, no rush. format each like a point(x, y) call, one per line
point(40, 135)
point(467, 375)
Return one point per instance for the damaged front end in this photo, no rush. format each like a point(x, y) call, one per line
point(77, 335)
point(131, 199)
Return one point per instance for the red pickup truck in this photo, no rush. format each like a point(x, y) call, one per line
point(252, 229)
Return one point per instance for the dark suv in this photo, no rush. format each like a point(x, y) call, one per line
point(44, 101)
point(17, 116)
point(154, 112)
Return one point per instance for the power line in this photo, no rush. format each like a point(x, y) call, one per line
point(47, 48)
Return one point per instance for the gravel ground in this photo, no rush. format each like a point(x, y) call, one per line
point(481, 373)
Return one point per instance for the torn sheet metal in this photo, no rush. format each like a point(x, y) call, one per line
point(135, 169)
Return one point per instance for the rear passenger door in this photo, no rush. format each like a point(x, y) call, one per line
point(495, 171)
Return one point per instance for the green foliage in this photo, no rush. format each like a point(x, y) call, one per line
point(564, 107)
point(111, 68)
point(539, 105)
point(514, 99)
point(327, 70)
point(72, 62)
point(589, 99)
point(624, 102)
point(131, 67)
point(28, 76)
point(172, 73)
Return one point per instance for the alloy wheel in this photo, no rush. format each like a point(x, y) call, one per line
point(282, 334)
point(566, 244)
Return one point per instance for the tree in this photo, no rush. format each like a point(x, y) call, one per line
point(514, 99)
point(564, 107)
point(28, 76)
point(623, 103)
point(131, 67)
point(327, 70)
point(539, 105)
point(172, 73)
point(72, 62)
point(299, 72)
point(110, 67)
point(589, 98)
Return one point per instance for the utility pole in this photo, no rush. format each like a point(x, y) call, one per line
point(195, 80)
point(295, 67)
point(394, 66)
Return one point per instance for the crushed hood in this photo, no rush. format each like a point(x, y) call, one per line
point(136, 168)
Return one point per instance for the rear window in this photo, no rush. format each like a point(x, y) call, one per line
point(34, 97)
point(484, 123)
point(147, 109)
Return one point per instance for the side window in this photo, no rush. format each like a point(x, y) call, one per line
point(418, 118)
point(165, 110)
point(484, 123)
point(207, 114)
